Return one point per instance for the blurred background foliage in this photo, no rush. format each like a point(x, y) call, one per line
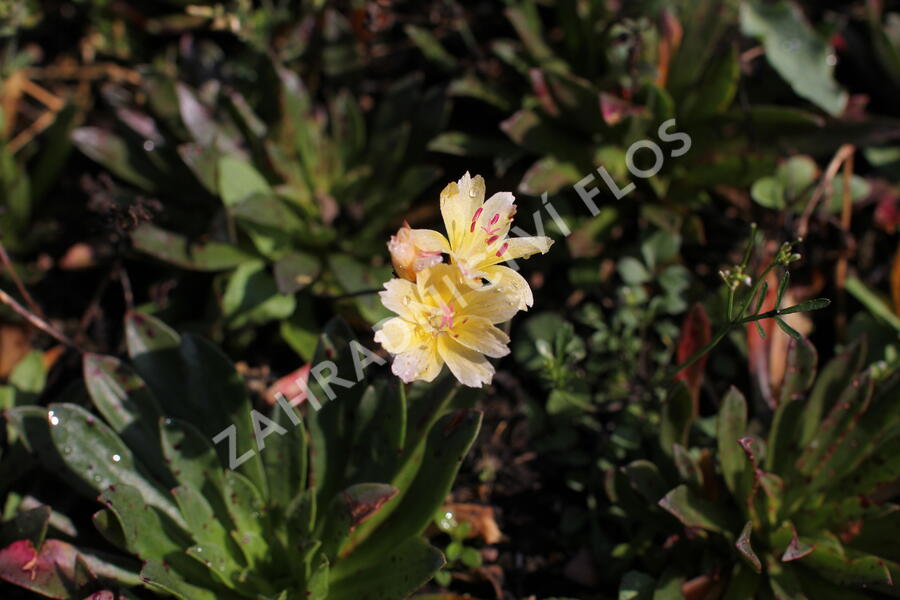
point(235, 169)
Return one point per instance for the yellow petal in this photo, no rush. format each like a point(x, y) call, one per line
point(396, 335)
point(510, 283)
point(523, 247)
point(420, 363)
point(497, 304)
point(440, 285)
point(430, 240)
point(399, 296)
point(468, 366)
point(503, 250)
point(459, 202)
point(478, 334)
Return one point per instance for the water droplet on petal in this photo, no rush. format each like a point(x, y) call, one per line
point(406, 300)
point(116, 458)
point(54, 420)
point(472, 192)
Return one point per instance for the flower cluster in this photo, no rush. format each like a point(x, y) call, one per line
point(447, 312)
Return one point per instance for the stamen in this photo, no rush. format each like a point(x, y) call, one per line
point(491, 240)
point(447, 318)
point(475, 219)
point(502, 248)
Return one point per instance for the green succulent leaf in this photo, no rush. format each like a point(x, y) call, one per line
point(833, 379)
point(849, 407)
point(96, 454)
point(731, 427)
point(239, 181)
point(178, 250)
point(252, 296)
point(127, 406)
point(448, 442)
point(694, 511)
point(286, 457)
point(861, 443)
point(783, 436)
point(676, 419)
point(795, 50)
point(294, 271)
point(331, 423)
point(161, 579)
point(845, 567)
point(350, 508)
point(208, 531)
point(248, 512)
point(645, 479)
point(395, 574)
point(124, 160)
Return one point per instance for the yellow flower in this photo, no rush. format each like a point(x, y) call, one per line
point(442, 320)
point(413, 250)
point(478, 239)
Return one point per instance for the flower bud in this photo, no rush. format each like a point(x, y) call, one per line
point(407, 254)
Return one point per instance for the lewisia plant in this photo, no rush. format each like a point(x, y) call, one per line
point(447, 312)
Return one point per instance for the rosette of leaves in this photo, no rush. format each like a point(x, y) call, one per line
point(579, 100)
point(268, 185)
point(327, 505)
point(803, 511)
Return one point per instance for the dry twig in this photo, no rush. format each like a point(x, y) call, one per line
point(824, 187)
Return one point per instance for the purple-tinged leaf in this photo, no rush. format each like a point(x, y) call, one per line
point(746, 550)
point(796, 549)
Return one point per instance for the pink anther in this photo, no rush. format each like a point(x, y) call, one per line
point(475, 220)
point(447, 318)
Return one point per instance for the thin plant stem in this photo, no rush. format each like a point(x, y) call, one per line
point(734, 321)
point(36, 320)
point(20, 285)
